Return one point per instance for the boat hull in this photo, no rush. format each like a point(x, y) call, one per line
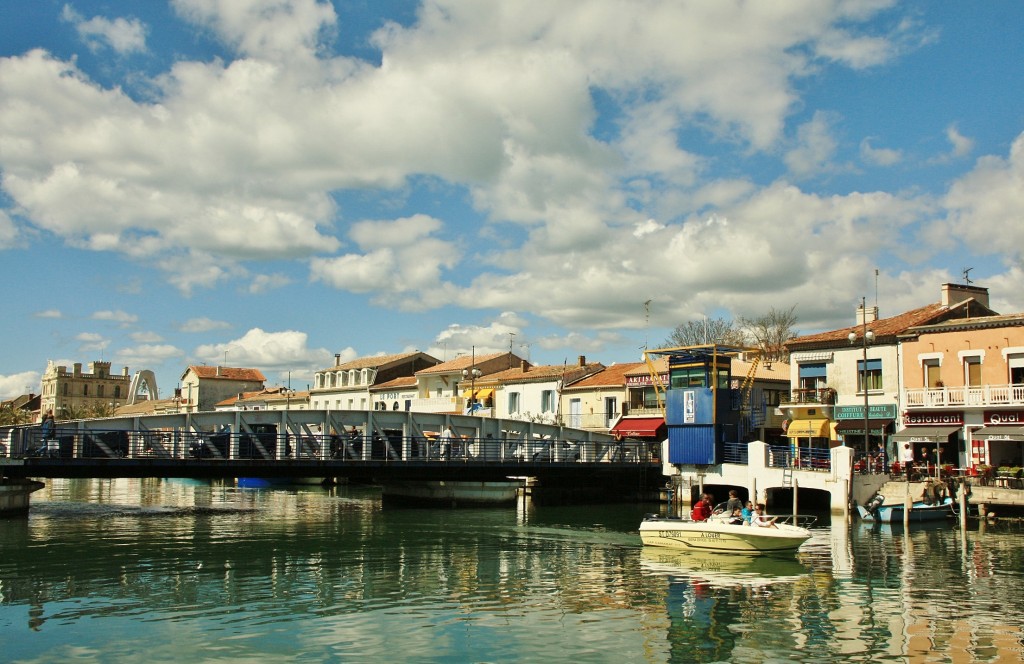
point(721, 536)
point(918, 512)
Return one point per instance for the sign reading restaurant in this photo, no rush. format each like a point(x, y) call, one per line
point(931, 419)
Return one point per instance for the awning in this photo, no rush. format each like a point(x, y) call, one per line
point(639, 427)
point(856, 427)
point(925, 434)
point(812, 428)
point(484, 394)
point(999, 433)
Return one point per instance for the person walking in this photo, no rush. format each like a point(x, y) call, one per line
point(908, 460)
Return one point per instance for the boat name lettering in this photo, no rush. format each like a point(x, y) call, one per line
point(711, 535)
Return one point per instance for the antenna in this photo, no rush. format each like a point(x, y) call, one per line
point(876, 289)
point(511, 335)
point(967, 278)
point(647, 321)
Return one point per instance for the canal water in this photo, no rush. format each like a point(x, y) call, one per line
point(169, 571)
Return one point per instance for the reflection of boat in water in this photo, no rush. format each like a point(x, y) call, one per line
point(717, 534)
point(723, 570)
point(267, 482)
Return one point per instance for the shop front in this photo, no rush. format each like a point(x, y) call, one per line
point(880, 424)
point(934, 437)
point(1000, 443)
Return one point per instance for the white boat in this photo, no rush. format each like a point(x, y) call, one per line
point(717, 534)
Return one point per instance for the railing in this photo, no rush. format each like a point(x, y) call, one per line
point(783, 456)
point(735, 453)
point(820, 395)
point(956, 397)
point(228, 446)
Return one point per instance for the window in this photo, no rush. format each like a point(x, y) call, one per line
point(688, 377)
point(85, 390)
point(932, 373)
point(972, 371)
point(773, 398)
point(1016, 364)
point(812, 376)
point(99, 390)
point(117, 391)
point(547, 401)
point(513, 402)
point(872, 375)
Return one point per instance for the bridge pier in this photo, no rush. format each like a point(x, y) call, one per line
point(14, 495)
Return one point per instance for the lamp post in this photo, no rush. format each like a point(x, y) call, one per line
point(866, 337)
point(472, 373)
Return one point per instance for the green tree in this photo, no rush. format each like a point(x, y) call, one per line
point(9, 415)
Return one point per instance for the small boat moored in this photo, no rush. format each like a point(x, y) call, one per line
point(876, 511)
point(717, 534)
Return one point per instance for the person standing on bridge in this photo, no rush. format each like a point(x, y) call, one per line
point(446, 442)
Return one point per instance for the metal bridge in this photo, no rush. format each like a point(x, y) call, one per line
point(358, 445)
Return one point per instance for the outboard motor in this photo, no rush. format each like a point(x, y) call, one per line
point(875, 502)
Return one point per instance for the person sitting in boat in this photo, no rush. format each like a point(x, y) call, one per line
point(748, 512)
point(737, 518)
point(702, 510)
point(761, 520)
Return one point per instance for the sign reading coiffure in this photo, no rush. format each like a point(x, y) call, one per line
point(1004, 417)
point(931, 419)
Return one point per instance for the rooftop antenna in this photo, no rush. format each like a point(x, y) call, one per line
point(510, 338)
point(876, 289)
point(647, 321)
point(967, 278)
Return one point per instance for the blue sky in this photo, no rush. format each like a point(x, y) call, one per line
point(269, 182)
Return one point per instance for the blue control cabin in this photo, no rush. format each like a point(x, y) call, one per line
point(705, 408)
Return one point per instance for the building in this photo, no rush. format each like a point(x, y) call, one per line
point(597, 401)
point(350, 385)
point(73, 394)
point(396, 394)
point(531, 393)
point(844, 378)
point(271, 398)
point(202, 387)
point(963, 397)
point(440, 388)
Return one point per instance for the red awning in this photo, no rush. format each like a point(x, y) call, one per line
point(640, 427)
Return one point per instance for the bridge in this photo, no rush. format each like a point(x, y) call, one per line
point(391, 448)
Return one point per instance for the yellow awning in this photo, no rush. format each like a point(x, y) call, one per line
point(484, 394)
point(811, 428)
point(467, 394)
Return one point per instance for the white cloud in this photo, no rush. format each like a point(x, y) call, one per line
point(49, 313)
point(147, 355)
point(122, 35)
point(9, 234)
point(123, 318)
point(266, 351)
point(962, 145)
point(879, 156)
point(815, 147)
point(203, 324)
point(145, 337)
point(15, 385)
point(262, 283)
point(89, 342)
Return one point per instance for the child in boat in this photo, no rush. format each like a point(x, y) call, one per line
point(737, 518)
point(748, 512)
point(759, 519)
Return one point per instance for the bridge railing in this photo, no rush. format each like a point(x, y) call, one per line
point(345, 447)
point(784, 456)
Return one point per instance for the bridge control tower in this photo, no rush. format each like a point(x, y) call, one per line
point(703, 411)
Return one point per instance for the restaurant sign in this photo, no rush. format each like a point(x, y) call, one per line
point(952, 418)
point(882, 411)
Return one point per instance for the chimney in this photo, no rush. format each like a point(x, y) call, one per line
point(524, 365)
point(953, 294)
point(868, 315)
point(337, 359)
point(218, 370)
point(582, 360)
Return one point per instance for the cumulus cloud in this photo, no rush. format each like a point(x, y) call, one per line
point(962, 145)
point(15, 385)
point(815, 147)
point(49, 313)
point(266, 351)
point(9, 234)
point(879, 156)
point(123, 35)
point(203, 324)
point(122, 318)
point(91, 342)
point(145, 337)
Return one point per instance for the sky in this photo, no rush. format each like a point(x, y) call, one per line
point(269, 183)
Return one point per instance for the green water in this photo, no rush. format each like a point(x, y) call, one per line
point(159, 571)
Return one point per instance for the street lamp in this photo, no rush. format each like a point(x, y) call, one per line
point(866, 337)
point(472, 373)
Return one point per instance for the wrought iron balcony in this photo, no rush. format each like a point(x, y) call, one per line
point(825, 396)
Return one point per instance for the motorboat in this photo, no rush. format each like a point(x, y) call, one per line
point(876, 511)
point(719, 534)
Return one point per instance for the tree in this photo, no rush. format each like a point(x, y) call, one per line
point(771, 331)
point(10, 415)
point(707, 331)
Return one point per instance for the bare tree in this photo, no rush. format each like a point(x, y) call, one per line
point(771, 331)
point(706, 331)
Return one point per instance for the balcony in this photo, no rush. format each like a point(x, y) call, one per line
point(822, 396)
point(959, 397)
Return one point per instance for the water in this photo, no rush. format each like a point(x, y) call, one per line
point(160, 570)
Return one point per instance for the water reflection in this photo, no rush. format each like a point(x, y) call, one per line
point(180, 570)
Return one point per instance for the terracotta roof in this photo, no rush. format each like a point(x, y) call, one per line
point(225, 373)
point(402, 382)
point(882, 328)
point(375, 361)
point(660, 363)
point(464, 362)
point(566, 372)
point(779, 370)
point(980, 322)
point(613, 376)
